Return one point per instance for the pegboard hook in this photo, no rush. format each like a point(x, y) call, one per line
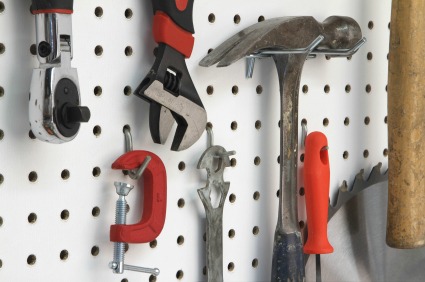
point(135, 173)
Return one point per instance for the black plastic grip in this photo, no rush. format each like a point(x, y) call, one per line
point(288, 258)
point(47, 5)
point(181, 18)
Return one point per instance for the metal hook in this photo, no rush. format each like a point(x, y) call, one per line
point(304, 133)
point(134, 174)
point(210, 137)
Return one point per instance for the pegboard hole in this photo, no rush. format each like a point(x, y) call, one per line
point(303, 121)
point(32, 177)
point(96, 171)
point(370, 25)
point(254, 263)
point(204, 270)
point(98, 50)
point(301, 224)
point(1, 221)
point(152, 278)
point(231, 266)
point(127, 90)
point(180, 240)
point(97, 91)
point(369, 56)
point(346, 121)
point(95, 251)
point(348, 88)
point(31, 259)
point(182, 166)
point(305, 89)
point(210, 50)
point(235, 90)
point(124, 280)
point(2, 48)
point(386, 120)
point(1, 91)
point(325, 122)
point(64, 215)
point(33, 49)
point(32, 218)
point(210, 89)
point(256, 195)
point(65, 174)
point(1, 263)
point(153, 244)
point(302, 158)
point(1, 134)
point(126, 247)
point(2, 7)
point(234, 125)
point(365, 154)
point(261, 19)
point(368, 88)
point(259, 89)
point(232, 233)
point(349, 58)
point(257, 160)
point(302, 191)
point(31, 135)
point(278, 159)
point(258, 124)
point(237, 19)
point(64, 255)
point(179, 274)
point(98, 11)
point(1, 179)
point(278, 193)
point(255, 230)
point(209, 125)
point(181, 203)
point(385, 152)
point(327, 89)
point(128, 13)
point(233, 162)
point(128, 51)
point(204, 237)
point(95, 211)
point(97, 130)
point(127, 208)
point(232, 198)
point(367, 120)
point(211, 18)
point(345, 155)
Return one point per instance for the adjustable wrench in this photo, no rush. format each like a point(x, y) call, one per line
point(55, 110)
point(168, 86)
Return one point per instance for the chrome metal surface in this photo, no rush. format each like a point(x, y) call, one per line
point(357, 232)
point(135, 173)
point(213, 197)
point(153, 271)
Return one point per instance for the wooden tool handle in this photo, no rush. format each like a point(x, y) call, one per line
point(406, 125)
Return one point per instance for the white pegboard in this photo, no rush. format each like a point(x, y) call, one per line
point(82, 234)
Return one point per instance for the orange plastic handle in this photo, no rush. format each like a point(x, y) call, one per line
point(316, 185)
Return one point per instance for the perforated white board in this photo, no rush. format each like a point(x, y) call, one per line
point(50, 195)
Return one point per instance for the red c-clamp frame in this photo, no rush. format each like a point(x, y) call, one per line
point(155, 199)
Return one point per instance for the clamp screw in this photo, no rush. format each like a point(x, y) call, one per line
point(120, 218)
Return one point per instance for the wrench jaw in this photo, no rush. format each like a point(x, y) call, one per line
point(169, 89)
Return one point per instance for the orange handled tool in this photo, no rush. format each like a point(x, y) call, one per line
point(316, 185)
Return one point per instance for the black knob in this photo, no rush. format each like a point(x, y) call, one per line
point(44, 49)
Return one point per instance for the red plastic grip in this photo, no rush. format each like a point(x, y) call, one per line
point(316, 185)
point(155, 199)
point(181, 4)
point(165, 30)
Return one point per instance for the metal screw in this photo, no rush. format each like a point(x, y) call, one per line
point(250, 63)
point(117, 265)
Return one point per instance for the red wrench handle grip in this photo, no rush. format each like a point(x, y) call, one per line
point(173, 24)
point(316, 184)
point(154, 203)
point(52, 6)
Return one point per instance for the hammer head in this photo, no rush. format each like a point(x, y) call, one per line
point(285, 33)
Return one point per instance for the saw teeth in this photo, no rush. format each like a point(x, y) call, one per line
point(345, 194)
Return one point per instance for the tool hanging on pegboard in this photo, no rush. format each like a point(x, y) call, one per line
point(168, 86)
point(55, 110)
point(213, 196)
point(289, 46)
point(152, 219)
point(316, 184)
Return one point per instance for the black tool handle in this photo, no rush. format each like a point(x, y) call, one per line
point(180, 11)
point(52, 5)
point(288, 257)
